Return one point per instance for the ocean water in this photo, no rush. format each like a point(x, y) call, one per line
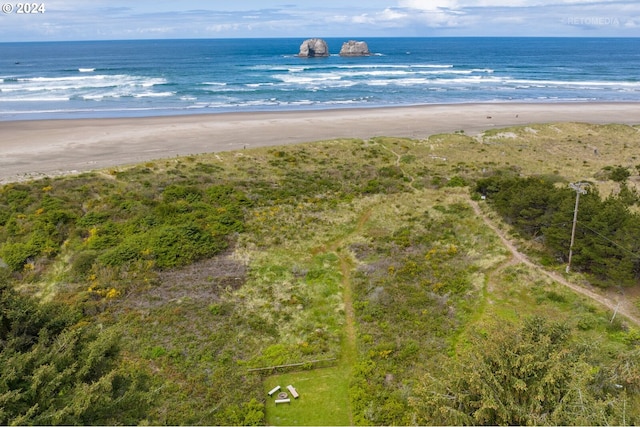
point(159, 77)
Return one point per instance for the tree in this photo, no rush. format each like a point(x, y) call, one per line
point(516, 375)
point(603, 253)
point(54, 370)
point(628, 195)
point(526, 203)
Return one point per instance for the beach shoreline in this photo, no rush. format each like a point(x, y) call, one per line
point(31, 149)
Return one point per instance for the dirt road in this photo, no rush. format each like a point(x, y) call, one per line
point(620, 306)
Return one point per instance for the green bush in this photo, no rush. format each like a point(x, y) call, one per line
point(92, 218)
point(180, 192)
point(18, 197)
point(82, 262)
point(619, 174)
point(174, 246)
point(106, 236)
point(155, 352)
point(15, 255)
point(457, 181)
point(391, 172)
point(5, 214)
point(126, 252)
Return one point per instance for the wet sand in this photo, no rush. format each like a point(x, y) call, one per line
point(30, 149)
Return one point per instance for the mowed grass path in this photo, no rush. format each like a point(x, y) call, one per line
point(324, 393)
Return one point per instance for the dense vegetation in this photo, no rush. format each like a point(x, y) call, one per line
point(414, 291)
point(607, 240)
point(531, 374)
point(150, 294)
point(57, 370)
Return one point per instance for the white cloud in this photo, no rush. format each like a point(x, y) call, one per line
point(392, 15)
point(524, 17)
point(100, 19)
point(221, 28)
point(429, 5)
point(387, 17)
point(509, 20)
point(436, 13)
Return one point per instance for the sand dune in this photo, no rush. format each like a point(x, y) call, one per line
point(52, 147)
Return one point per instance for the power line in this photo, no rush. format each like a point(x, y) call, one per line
point(611, 241)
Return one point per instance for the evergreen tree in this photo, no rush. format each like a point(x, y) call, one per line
point(526, 203)
point(525, 375)
point(54, 370)
point(602, 252)
point(628, 195)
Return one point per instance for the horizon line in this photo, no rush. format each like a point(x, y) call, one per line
point(326, 37)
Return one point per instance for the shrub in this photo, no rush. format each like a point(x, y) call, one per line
point(180, 192)
point(92, 218)
point(5, 214)
point(15, 255)
point(104, 237)
point(619, 174)
point(155, 352)
point(373, 186)
point(57, 370)
point(126, 252)
point(391, 172)
point(174, 246)
point(82, 262)
point(457, 181)
point(18, 197)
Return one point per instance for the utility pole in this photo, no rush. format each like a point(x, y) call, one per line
point(580, 188)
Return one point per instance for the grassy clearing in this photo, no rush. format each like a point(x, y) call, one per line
point(327, 388)
point(324, 398)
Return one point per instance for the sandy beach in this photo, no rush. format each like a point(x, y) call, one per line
point(31, 149)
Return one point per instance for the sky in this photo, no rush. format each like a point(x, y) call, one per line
point(166, 19)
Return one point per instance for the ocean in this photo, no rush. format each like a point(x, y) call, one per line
point(165, 77)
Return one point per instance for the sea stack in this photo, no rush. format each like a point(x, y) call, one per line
point(314, 48)
point(354, 48)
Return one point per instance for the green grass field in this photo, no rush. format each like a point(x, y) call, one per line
point(324, 398)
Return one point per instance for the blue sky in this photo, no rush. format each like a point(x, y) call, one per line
point(149, 19)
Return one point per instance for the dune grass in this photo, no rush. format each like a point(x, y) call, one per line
point(363, 251)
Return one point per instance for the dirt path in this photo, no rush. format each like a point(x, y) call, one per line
point(398, 164)
point(618, 306)
point(349, 347)
point(349, 350)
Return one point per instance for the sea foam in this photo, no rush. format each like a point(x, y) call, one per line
point(89, 79)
